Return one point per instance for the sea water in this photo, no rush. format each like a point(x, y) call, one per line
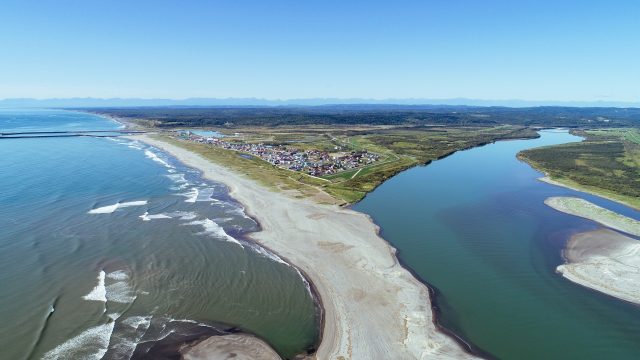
point(112, 249)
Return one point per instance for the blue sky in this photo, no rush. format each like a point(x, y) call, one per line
point(532, 50)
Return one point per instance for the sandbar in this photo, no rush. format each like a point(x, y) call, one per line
point(373, 308)
point(583, 208)
point(606, 261)
point(232, 347)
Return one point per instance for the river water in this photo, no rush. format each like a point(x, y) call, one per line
point(474, 226)
point(110, 248)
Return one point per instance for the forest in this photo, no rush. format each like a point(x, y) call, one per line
point(552, 116)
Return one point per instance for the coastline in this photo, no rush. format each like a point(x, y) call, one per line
point(372, 306)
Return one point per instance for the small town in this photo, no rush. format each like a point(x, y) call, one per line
point(312, 162)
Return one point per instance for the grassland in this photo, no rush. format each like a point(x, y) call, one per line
point(607, 163)
point(399, 148)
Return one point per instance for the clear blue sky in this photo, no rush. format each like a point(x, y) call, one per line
point(492, 49)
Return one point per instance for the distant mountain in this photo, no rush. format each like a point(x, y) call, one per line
point(212, 102)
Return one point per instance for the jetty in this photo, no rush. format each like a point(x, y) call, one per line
point(50, 134)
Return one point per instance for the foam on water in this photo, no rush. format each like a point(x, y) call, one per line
point(192, 196)
point(205, 195)
point(155, 158)
point(211, 228)
point(99, 292)
point(90, 344)
point(111, 208)
point(147, 217)
point(268, 254)
point(182, 215)
point(137, 321)
point(118, 275)
point(177, 178)
point(120, 292)
point(124, 341)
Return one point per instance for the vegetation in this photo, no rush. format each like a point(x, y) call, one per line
point(606, 163)
point(376, 115)
point(400, 148)
point(585, 209)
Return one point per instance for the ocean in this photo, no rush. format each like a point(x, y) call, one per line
point(112, 249)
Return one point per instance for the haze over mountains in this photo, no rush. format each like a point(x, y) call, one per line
point(135, 102)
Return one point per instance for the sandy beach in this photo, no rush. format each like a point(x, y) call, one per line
point(606, 261)
point(373, 307)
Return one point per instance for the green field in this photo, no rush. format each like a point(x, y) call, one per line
point(399, 148)
point(606, 163)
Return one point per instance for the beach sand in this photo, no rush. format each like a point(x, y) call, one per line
point(606, 261)
point(235, 347)
point(373, 307)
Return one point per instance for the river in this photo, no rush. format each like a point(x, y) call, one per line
point(474, 226)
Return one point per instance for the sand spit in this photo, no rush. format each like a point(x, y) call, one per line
point(236, 347)
point(579, 188)
point(373, 307)
point(606, 261)
point(587, 210)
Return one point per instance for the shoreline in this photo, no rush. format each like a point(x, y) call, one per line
point(587, 210)
point(357, 323)
point(605, 261)
point(435, 308)
point(547, 179)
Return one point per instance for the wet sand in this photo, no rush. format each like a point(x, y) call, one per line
point(606, 261)
point(373, 307)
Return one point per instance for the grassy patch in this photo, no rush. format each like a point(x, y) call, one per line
point(399, 149)
point(606, 163)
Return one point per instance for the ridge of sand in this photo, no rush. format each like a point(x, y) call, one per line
point(606, 261)
point(583, 208)
point(373, 307)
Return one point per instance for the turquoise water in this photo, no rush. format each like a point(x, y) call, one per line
point(474, 226)
point(112, 249)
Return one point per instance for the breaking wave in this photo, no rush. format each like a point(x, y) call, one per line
point(212, 228)
point(155, 158)
point(99, 292)
point(111, 208)
point(92, 343)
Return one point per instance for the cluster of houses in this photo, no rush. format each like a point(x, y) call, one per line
point(312, 162)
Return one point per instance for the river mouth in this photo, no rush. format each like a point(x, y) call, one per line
point(475, 226)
